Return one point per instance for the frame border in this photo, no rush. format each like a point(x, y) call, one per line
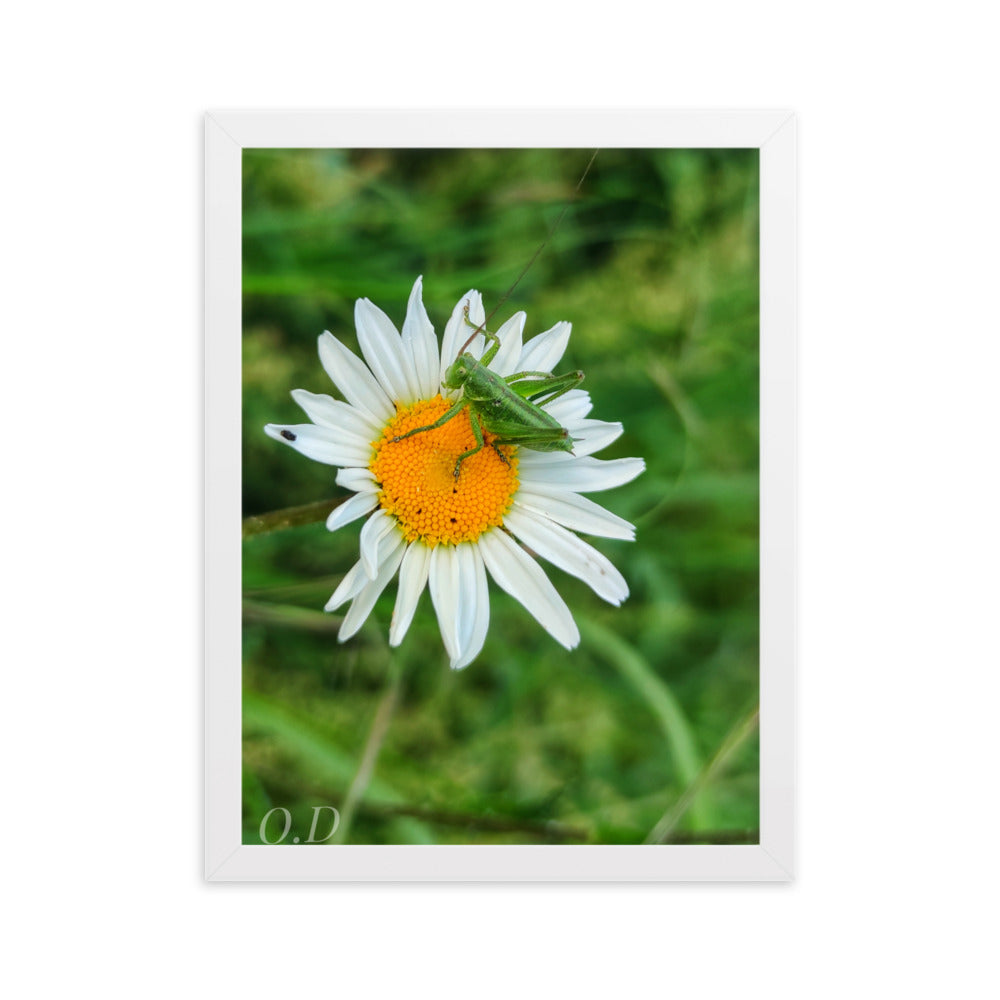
point(227, 133)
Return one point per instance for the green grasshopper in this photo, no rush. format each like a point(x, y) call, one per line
point(508, 408)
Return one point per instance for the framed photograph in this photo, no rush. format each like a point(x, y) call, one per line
point(500, 496)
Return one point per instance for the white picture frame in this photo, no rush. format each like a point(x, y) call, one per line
point(227, 133)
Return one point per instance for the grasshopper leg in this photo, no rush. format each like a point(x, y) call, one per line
point(440, 422)
point(545, 389)
point(491, 338)
point(477, 432)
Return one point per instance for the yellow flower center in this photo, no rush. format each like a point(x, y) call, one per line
point(417, 476)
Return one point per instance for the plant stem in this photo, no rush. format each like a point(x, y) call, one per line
point(546, 829)
point(734, 739)
point(290, 616)
point(376, 735)
point(289, 517)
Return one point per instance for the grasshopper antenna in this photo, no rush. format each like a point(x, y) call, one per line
point(527, 267)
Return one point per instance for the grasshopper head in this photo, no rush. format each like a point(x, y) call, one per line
point(457, 374)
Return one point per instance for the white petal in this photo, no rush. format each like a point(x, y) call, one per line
point(592, 435)
point(318, 443)
point(383, 350)
point(351, 509)
point(457, 331)
point(412, 580)
point(544, 352)
point(378, 527)
point(443, 580)
point(329, 412)
point(354, 380)
point(576, 513)
point(476, 593)
point(418, 336)
point(570, 407)
point(465, 616)
point(563, 549)
point(369, 594)
point(348, 588)
point(505, 362)
point(528, 461)
point(359, 480)
point(578, 475)
point(520, 576)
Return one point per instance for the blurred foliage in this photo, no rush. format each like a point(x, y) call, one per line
point(656, 265)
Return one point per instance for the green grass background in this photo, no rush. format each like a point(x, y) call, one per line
point(656, 265)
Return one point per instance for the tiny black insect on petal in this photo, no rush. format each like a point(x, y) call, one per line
point(288, 435)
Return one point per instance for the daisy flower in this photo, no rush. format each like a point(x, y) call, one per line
point(507, 504)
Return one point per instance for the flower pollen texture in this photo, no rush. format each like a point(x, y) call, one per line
point(416, 476)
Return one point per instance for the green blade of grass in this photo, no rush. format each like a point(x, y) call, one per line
point(660, 700)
